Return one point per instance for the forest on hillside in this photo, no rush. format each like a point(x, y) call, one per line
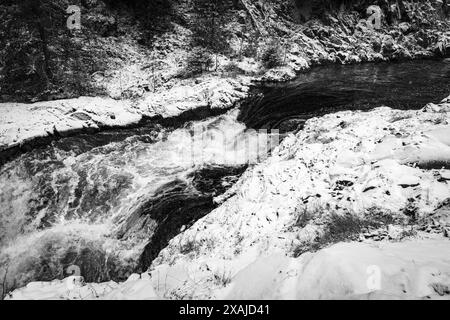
point(42, 59)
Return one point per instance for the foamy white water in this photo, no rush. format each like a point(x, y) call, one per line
point(68, 201)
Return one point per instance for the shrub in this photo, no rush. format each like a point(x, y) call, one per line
point(346, 227)
point(232, 68)
point(250, 48)
point(272, 56)
point(305, 215)
point(411, 210)
point(190, 246)
point(222, 278)
point(198, 61)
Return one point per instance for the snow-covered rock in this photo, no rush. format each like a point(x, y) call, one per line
point(20, 122)
point(213, 92)
point(279, 74)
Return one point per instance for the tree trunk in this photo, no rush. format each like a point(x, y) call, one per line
point(40, 25)
point(402, 11)
point(45, 53)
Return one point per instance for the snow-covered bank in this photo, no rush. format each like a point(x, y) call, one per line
point(208, 91)
point(406, 270)
point(325, 184)
point(21, 123)
point(354, 165)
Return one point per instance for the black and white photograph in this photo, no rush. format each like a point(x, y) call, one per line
point(198, 151)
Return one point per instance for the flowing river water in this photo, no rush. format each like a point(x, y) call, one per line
point(109, 202)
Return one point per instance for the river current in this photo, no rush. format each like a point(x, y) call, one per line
point(109, 202)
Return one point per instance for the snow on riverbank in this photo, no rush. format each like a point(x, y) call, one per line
point(356, 165)
point(406, 270)
point(385, 164)
point(207, 91)
point(21, 123)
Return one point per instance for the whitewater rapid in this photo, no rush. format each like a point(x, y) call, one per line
point(75, 203)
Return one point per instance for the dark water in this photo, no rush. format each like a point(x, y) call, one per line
point(109, 202)
point(406, 85)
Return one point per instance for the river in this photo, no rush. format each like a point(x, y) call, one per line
point(108, 202)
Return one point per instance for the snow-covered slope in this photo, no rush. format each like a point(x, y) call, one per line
point(405, 270)
point(358, 165)
point(384, 165)
point(408, 270)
